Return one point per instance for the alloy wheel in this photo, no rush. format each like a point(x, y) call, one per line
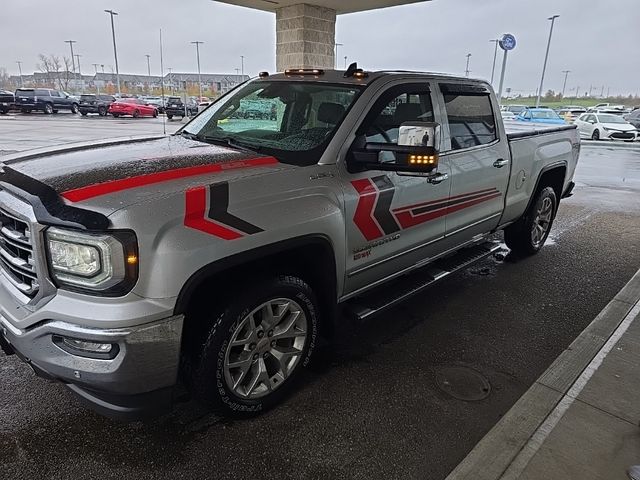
point(542, 222)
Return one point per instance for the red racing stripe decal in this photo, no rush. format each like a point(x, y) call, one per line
point(112, 186)
point(433, 202)
point(363, 217)
point(195, 211)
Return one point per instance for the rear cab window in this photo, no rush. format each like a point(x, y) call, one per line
point(469, 114)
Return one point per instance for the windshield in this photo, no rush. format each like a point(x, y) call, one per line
point(611, 119)
point(517, 109)
point(281, 118)
point(544, 114)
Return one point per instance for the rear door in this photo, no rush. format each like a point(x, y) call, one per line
point(394, 221)
point(478, 157)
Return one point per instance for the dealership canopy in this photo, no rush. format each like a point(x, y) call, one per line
point(306, 32)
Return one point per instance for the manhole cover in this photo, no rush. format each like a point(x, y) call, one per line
point(463, 383)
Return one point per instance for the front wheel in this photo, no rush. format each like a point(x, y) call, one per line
point(527, 235)
point(169, 116)
point(249, 356)
point(115, 115)
point(102, 111)
point(155, 114)
point(74, 108)
point(136, 113)
point(595, 135)
point(48, 109)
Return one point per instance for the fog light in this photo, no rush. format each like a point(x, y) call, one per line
point(85, 346)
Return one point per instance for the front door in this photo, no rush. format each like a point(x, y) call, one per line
point(478, 158)
point(393, 220)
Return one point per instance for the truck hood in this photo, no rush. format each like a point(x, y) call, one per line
point(108, 175)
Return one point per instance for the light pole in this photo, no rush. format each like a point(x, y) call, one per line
point(564, 85)
point(466, 72)
point(80, 73)
point(20, 70)
point(242, 67)
point(148, 72)
point(546, 57)
point(345, 62)
point(237, 76)
point(495, 55)
point(73, 59)
point(95, 66)
point(197, 44)
point(337, 45)
point(115, 49)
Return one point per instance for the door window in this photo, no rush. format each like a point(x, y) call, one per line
point(471, 119)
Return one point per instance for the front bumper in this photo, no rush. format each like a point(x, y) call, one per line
point(136, 383)
point(615, 135)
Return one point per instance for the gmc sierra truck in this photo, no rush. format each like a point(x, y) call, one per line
point(214, 260)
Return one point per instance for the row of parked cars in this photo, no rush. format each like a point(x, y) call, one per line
point(601, 122)
point(49, 101)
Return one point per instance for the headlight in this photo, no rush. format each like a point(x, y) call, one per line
point(94, 262)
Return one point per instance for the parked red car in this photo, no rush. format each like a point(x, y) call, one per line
point(132, 106)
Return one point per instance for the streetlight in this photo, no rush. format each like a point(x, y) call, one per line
point(345, 62)
point(242, 67)
point(197, 44)
point(495, 55)
point(564, 85)
point(73, 60)
point(466, 72)
point(237, 76)
point(115, 50)
point(546, 57)
point(80, 72)
point(337, 45)
point(97, 85)
point(148, 72)
point(20, 70)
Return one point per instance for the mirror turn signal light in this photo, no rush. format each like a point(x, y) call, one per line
point(422, 159)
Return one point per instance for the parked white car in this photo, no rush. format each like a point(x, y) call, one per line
point(605, 126)
point(506, 115)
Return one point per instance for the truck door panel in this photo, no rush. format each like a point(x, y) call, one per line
point(393, 220)
point(478, 158)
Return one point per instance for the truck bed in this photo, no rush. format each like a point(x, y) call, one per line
point(516, 129)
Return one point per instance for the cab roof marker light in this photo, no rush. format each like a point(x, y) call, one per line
point(304, 71)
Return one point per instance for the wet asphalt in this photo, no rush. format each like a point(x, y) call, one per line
point(371, 406)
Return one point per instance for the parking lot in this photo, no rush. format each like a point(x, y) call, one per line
point(374, 404)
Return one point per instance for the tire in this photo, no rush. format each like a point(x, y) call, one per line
point(155, 114)
point(83, 113)
point(48, 108)
point(209, 356)
point(26, 110)
point(595, 135)
point(74, 108)
point(102, 111)
point(527, 235)
point(169, 116)
point(115, 115)
point(55, 111)
point(4, 111)
point(136, 113)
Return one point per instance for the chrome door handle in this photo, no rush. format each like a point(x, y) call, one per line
point(500, 163)
point(438, 178)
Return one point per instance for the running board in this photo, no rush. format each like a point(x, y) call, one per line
point(390, 294)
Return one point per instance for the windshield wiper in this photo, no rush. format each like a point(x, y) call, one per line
point(225, 141)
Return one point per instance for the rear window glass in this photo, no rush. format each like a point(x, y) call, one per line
point(25, 93)
point(106, 98)
point(87, 97)
point(44, 93)
point(471, 120)
point(175, 99)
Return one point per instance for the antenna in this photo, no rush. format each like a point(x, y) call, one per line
point(164, 104)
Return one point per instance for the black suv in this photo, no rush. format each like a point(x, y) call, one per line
point(175, 107)
point(44, 99)
point(6, 101)
point(99, 104)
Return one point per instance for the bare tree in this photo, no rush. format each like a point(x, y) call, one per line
point(4, 78)
point(66, 75)
point(50, 66)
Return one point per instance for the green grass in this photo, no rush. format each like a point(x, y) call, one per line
point(582, 102)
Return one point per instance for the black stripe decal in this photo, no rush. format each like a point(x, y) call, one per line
point(382, 210)
point(219, 210)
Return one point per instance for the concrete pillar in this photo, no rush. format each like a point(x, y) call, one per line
point(305, 37)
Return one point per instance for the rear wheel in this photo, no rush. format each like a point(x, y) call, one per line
point(48, 108)
point(169, 116)
point(155, 114)
point(102, 111)
point(74, 108)
point(527, 235)
point(116, 115)
point(247, 358)
point(595, 135)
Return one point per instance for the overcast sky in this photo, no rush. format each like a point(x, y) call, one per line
point(597, 40)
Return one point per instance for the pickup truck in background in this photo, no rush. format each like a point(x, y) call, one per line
point(7, 101)
point(218, 257)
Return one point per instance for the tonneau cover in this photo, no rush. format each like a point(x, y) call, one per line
point(516, 129)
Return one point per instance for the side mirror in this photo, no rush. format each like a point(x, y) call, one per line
point(417, 150)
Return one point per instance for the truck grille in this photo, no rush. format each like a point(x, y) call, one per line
point(16, 254)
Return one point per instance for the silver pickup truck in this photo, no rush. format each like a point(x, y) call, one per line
point(217, 258)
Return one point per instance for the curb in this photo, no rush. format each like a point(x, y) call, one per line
point(494, 454)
